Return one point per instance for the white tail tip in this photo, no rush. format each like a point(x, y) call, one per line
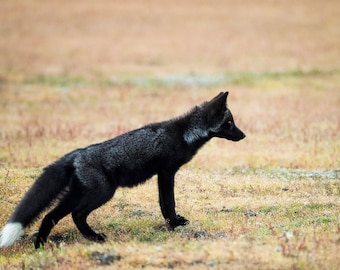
point(10, 233)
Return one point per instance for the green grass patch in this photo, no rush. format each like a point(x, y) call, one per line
point(247, 78)
point(142, 229)
point(286, 173)
point(56, 80)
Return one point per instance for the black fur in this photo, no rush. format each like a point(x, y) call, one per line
point(88, 177)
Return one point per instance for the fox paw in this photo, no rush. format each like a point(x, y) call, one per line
point(100, 237)
point(178, 221)
point(39, 242)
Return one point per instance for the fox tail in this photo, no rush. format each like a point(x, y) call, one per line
point(54, 179)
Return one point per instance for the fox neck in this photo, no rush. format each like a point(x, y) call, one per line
point(195, 134)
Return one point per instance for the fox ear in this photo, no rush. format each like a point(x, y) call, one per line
point(217, 106)
point(219, 101)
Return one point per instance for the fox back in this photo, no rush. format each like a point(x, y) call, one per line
point(133, 157)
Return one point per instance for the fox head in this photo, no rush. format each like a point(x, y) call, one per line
point(220, 120)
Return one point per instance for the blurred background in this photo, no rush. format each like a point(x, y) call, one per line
point(153, 37)
point(75, 72)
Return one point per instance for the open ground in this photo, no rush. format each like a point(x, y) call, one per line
point(76, 73)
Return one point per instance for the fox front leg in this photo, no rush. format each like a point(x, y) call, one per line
point(167, 200)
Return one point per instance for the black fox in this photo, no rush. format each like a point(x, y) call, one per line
point(86, 178)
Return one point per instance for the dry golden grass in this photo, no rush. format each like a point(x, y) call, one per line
point(238, 220)
point(245, 211)
point(79, 72)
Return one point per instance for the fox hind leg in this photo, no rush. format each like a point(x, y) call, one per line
point(79, 219)
point(91, 201)
point(65, 206)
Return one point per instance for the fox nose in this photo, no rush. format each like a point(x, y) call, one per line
point(240, 135)
point(243, 135)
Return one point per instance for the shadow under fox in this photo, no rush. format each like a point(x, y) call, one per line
point(88, 177)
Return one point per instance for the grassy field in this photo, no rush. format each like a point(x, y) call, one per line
point(74, 73)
